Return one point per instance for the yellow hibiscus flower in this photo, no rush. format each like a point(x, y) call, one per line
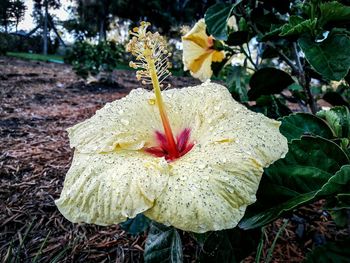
point(127, 161)
point(198, 52)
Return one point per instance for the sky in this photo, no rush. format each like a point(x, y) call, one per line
point(27, 23)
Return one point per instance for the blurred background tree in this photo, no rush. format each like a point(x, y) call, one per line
point(11, 12)
point(18, 9)
point(92, 17)
point(43, 18)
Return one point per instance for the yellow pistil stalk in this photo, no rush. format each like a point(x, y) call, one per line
point(152, 64)
point(159, 100)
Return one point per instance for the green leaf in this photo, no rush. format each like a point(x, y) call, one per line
point(297, 26)
point(295, 87)
point(339, 201)
point(281, 6)
point(347, 78)
point(163, 244)
point(136, 225)
point(216, 19)
point(335, 99)
point(343, 201)
point(298, 179)
point(271, 107)
point(236, 83)
point(339, 119)
point(340, 217)
point(217, 248)
point(264, 20)
point(231, 245)
point(332, 252)
point(274, 31)
point(242, 24)
point(296, 125)
point(268, 81)
point(333, 11)
point(331, 57)
point(238, 38)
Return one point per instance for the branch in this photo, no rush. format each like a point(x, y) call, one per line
point(249, 57)
point(304, 81)
point(284, 57)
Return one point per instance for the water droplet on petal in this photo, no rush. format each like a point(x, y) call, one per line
point(124, 121)
point(201, 165)
point(109, 161)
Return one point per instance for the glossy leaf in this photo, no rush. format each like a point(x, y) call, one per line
point(334, 11)
point(163, 244)
point(297, 26)
point(331, 57)
point(136, 225)
point(231, 245)
point(217, 248)
point(238, 38)
point(216, 19)
point(339, 119)
point(335, 99)
point(236, 84)
point(298, 179)
point(268, 81)
point(271, 107)
point(264, 20)
point(332, 252)
point(296, 125)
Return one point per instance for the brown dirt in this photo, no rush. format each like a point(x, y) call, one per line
point(38, 101)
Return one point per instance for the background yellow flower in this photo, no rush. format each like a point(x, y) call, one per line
point(199, 53)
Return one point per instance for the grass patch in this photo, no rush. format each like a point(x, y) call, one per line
point(59, 59)
point(37, 57)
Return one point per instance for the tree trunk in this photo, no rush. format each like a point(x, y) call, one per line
point(45, 29)
point(6, 29)
point(33, 31)
point(102, 34)
point(56, 32)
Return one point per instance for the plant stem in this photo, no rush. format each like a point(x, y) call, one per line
point(284, 57)
point(249, 58)
point(304, 81)
point(260, 246)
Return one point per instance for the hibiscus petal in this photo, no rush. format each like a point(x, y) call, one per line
point(182, 139)
point(204, 193)
point(107, 189)
point(210, 187)
point(127, 123)
point(198, 35)
point(191, 51)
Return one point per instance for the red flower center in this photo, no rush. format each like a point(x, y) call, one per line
point(168, 150)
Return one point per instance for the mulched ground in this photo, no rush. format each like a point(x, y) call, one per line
point(38, 101)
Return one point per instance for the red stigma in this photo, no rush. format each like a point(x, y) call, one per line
point(165, 149)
